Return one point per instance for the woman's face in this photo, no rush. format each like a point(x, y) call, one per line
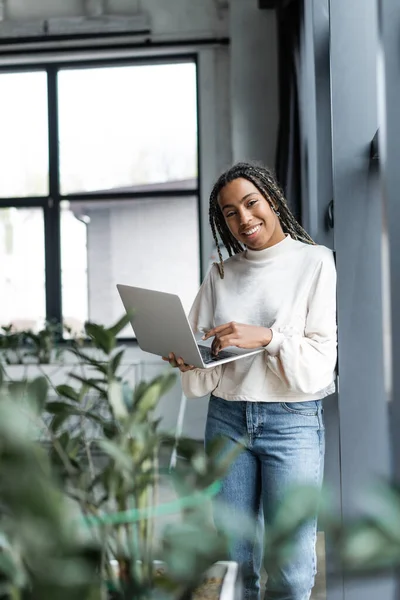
point(249, 216)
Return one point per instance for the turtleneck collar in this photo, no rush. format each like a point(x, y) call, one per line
point(278, 249)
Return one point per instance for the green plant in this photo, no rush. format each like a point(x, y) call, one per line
point(27, 347)
point(42, 555)
point(12, 345)
point(43, 347)
point(109, 483)
point(71, 507)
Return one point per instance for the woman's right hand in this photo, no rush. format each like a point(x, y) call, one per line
point(178, 363)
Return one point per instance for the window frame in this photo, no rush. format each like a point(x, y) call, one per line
point(51, 204)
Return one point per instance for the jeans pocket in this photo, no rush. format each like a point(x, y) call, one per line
point(306, 409)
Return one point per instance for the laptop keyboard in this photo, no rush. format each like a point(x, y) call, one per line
point(208, 357)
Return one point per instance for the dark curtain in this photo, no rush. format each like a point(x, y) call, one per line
point(289, 14)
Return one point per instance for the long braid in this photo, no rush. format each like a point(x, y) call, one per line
point(267, 185)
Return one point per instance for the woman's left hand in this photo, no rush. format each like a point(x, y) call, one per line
point(239, 335)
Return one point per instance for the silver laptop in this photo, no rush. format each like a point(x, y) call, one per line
point(161, 326)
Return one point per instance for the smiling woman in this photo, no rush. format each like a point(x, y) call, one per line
point(267, 189)
point(249, 217)
point(278, 291)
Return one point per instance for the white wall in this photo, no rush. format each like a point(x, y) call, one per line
point(238, 90)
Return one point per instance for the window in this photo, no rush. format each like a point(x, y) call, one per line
point(126, 126)
point(99, 186)
point(24, 154)
point(145, 243)
point(22, 268)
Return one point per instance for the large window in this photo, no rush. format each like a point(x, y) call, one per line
point(24, 153)
point(127, 126)
point(98, 186)
point(22, 267)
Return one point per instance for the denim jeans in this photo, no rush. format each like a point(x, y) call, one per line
point(284, 446)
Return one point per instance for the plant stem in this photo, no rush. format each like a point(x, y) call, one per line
point(87, 449)
point(15, 593)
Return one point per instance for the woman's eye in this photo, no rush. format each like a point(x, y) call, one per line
point(252, 202)
point(230, 214)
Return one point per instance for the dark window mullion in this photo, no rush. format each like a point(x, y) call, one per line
point(23, 202)
point(52, 208)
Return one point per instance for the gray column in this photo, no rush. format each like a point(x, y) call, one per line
point(389, 157)
point(208, 147)
point(389, 153)
point(317, 195)
point(364, 442)
point(254, 82)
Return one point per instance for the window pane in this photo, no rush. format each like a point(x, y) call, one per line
point(22, 268)
point(146, 243)
point(24, 155)
point(125, 126)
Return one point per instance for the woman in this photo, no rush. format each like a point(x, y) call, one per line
point(277, 290)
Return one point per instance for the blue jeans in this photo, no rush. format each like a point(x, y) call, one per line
point(284, 446)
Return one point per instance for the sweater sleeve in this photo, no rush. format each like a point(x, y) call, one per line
point(306, 363)
point(200, 382)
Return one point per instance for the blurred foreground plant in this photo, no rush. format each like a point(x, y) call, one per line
point(72, 509)
point(75, 507)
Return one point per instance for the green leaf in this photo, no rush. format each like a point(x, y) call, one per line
point(57, 421)
point(91, 383)
point(110, 429)
point(63, 440)
point(128, 395)
point(115, 361)
point(224, 453)
point(103, 338)
point(116, 399)
point(185, 559)
point(17, 390)
point(365, 547)
point(37, 390)
point(121, 458)
point(95, 593)
point(57, 408)
point(68, 392)
point(148, 401)
point(186, 447)
point(216, 447)
point(9, 570)
point(74, 445)
point(123, 322)
point(299, 504)
point(384, 509)
point(139, 391)
point(85, 358)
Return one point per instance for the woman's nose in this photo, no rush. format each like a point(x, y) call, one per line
point(244, 216)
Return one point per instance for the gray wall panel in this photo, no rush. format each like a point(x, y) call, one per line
point(358, 222)
point(389, 147)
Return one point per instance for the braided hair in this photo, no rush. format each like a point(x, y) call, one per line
point(263, 179)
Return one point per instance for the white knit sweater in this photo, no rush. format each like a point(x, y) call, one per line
point(291, 288)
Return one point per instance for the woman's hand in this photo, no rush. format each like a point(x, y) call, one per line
point(239, 335)
point(178, 363)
